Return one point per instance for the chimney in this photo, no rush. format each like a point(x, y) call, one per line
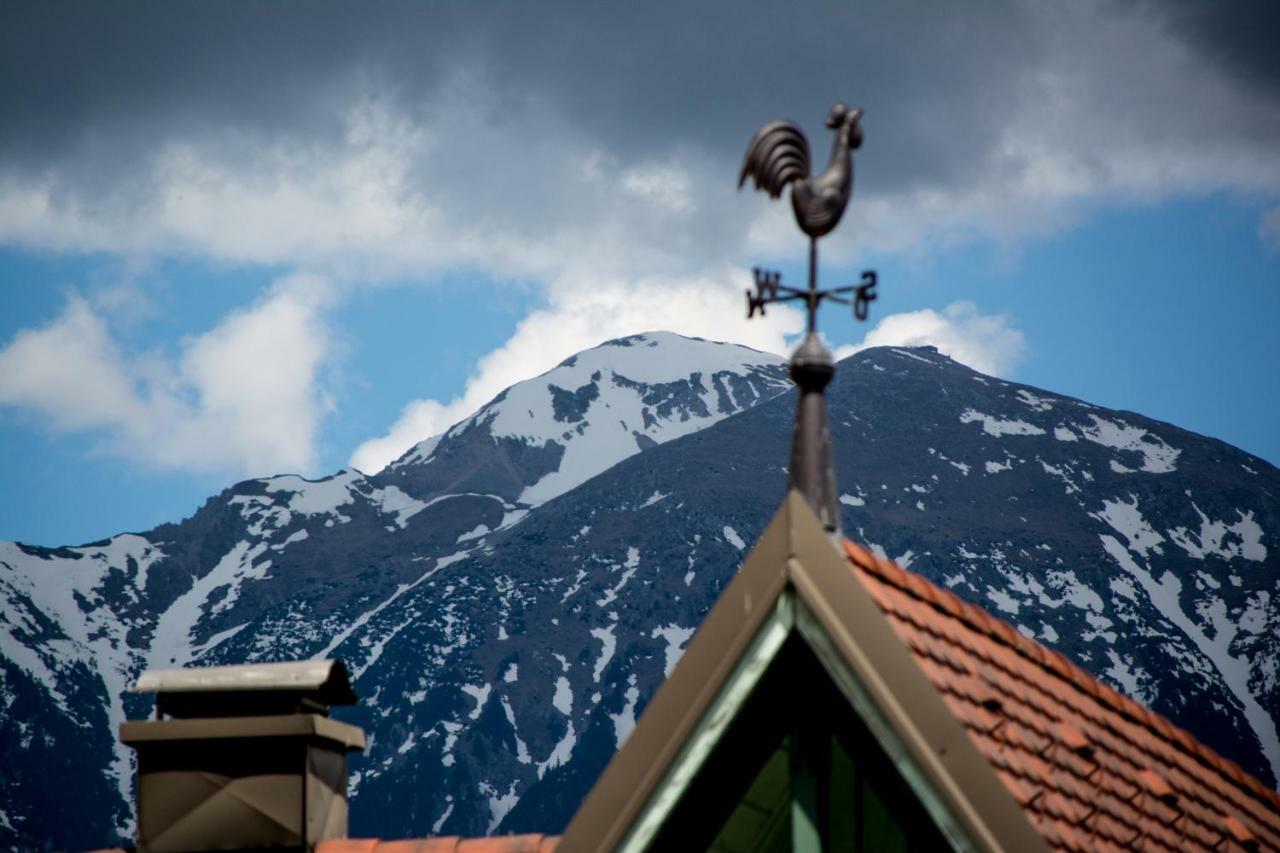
point(243, 757)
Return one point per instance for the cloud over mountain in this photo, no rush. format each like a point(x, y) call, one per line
point(241, 397)
point(987, 343)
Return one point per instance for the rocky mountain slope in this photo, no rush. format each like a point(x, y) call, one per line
point(510, 594)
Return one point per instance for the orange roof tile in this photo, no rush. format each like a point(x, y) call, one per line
point(1093, 769)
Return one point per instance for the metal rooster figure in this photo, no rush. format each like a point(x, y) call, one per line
point(779, 155)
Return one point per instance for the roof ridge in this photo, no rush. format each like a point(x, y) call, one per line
point(1056, 662)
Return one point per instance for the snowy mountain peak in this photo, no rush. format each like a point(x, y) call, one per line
point(505, 643)
point(604, 404)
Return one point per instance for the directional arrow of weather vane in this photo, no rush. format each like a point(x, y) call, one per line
point(779, 155)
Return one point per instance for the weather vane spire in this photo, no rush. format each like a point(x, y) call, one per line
point(779, 155)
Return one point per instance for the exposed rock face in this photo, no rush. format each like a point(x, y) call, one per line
point(509, 595)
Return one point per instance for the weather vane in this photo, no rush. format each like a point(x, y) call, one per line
point(779, 155)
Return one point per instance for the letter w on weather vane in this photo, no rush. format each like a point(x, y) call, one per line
point(779, 155)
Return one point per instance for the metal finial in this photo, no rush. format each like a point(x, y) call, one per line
point(778, 155)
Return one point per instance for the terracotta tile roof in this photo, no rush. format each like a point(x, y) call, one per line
point(450, 844)
point(1093, 769)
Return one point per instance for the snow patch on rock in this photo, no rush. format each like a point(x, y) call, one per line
point(1213, 539)
point(676, 637)
point(1157, 456)
point(993, 425)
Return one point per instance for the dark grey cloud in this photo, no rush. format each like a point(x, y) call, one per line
point(964, 101)
point(110, 79)
point(1241, 37)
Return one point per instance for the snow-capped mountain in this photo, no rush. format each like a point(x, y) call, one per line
point(592, 411)
point(510, 594)
point(296, 568)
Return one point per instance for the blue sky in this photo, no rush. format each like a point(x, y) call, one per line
point(294, 240)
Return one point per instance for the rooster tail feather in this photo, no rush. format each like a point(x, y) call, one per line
point(776, 155)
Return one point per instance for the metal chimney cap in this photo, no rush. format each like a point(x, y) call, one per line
point(325, 681)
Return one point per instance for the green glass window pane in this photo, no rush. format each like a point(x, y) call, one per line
point(881, 827)
point(761, 822)
point(744, 797)
point(842, 807)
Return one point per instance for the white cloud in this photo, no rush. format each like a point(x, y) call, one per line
point(242, 398)
point(394, 196)
point(665, 185)
point(583, 314)
point(70, 371)
point(287, 204)
point(986, 342)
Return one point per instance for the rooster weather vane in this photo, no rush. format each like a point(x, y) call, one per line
point(779, 155)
